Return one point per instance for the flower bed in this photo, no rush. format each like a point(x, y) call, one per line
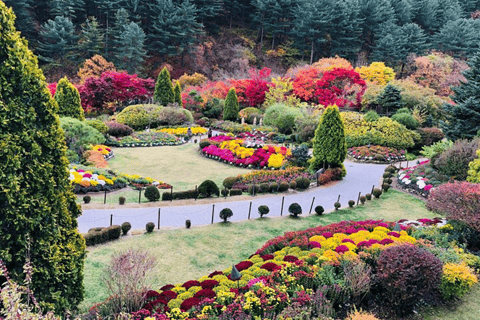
point(304, 269)
point(234, 127)
point(376, 154)
point(94, 180)
point(243, 181)
point(420, 179)
point(138, 182)
point(233, 152)
point(145, 139)
point(182, 131)
point(104, 150)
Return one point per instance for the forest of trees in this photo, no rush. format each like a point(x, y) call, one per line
point(128, 32)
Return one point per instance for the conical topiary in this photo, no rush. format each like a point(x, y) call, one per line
point(230, 111)
point(68, 99)
point(164, 89)
point(390, 99)
point(38, 213)
point(178, 94)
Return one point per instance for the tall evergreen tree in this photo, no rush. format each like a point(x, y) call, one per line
point(178, 94)
point(25, 17)
point(329, 146)
point(230, 111)
point(68, 100)
point(390, 99)
point(163, 88)
point(131, 51)
point(38, 212)
point(403, 11)
point(463, 120)
point(58, 39)
point(345, 30)
point(91, 39)
point(67, 8)
point(460, 38)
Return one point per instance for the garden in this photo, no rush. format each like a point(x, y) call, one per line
point(408, 249)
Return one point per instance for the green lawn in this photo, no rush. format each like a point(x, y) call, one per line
point(180, 166)
point(184, 254)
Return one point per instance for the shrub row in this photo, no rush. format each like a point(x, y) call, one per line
point(192, 194)
point(102, 235)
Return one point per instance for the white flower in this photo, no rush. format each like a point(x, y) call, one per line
point(102, 182)
point(72, 170)
point(406, 181)
point(85, 179)
point(95, 176)
point(72, 177)
point(402, 176)
point(155, 183)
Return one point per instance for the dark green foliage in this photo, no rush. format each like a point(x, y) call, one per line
point(363, 199)
point(387, 174)
point(166, 196)
point(67, 8)
point(283, 186)
point(264, 187)
point(126, 226)
point(454, 161)
point(58, 39)
point(273, 187)
point(429, 136)
point(131, 52)
point(152, 193)
point(87, 199)
point(177, 90)
point(390, 99)
point(300, 156)
point(102, 235)
point(295, 209)
point(97, 124)
point(463, 119)
point(305, 128)
point(188, 223)
point(351, 203)
point(302, 183)
point(377, 192)
point(225, 214)
point(204, 144)
point(371, 116)
point(236, 192)
point(78, 135)
point(319, 210)
point(252, 190)
point(208, 188)
point(368, 196)
point(263, 210)
point(38, 213)
point(121, 200)
point(337, 205)
point(68, 99)
point(149, 227)
point(407, 120)
point(414, 271)
point(329, 148)
point(385, 187)
point(230, 112)
point(163, 88)
point(293, 184)
point(229, 181)
point(459, 37)
point(91, 38)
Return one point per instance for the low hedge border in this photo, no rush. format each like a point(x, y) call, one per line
point(102, 235)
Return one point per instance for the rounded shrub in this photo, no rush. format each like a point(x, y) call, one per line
point(319, 210)
point(188, 223)
point(273, 187)
point(97, 124)
point(391, 169)
point(351, 203)
point(283, 117)
point(264, 187)
point(121, 200)
point(225, 214)
point(368, 196)
point(263, 210)
point(385, 187)
point(283, 186)
point(152, 193)
point(337, 205)
point(252, 190)
point(204, 143)
point(377, 192)
point(295, 209)
point(208, 188)
point(87, 199)
point(140, 116)
point(293, 184)
point(363, 199)
point(387, 175)
point(457, 279)
point(371, 116)
point(150, 226)
point(126, 226)
point(407, 120)
point(171, 116)
point(454, 161)
point(118, 129)
point(79, 136)
point(406, 274)
point(302, 183)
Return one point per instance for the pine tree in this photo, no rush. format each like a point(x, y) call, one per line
point(25, 22)
point(68, 99)
point(463, 120)
point(38, 213)
point(178, 94)
point(91, 40)
point(131, 51)
point(58, 39)
point(329, 147)
point(230, 111)
point(122, 19)
point(390, 99)
point(460, 37)
point(163, 88)
point(67, 8)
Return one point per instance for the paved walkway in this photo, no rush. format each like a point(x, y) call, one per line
point(360, 178)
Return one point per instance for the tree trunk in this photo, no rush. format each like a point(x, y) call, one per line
point(311, 54)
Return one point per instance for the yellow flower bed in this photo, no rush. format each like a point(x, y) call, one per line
point(183, 131)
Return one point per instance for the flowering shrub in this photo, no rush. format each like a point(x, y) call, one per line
point(182, 131)
point(104, 150)
point(474, 169)
point(420, 179)
point(232, 151)
point(376, 153)
point(93, 179)
point(145, 139)
point(242, 182)
point(457, 279)
point(376, 73)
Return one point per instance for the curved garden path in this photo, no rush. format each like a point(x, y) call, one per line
point(360, 178)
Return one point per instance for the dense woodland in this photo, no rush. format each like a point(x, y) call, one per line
point(215, 37)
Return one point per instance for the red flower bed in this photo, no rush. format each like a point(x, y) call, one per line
point(192, 283)
point(205, 293)
point(208, 284)
point(243, 265)
point(189, 303)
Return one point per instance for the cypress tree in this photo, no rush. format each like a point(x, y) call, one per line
point(463, 119)
point(230, 111)
point(164, 89)
point(178, 94)
point(390, 99)
point(68, 100)
point(329, 147)
point(38, 213)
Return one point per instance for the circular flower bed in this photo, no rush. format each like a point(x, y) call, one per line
point(376, 154)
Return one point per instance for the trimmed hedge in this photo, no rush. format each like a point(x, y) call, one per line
point(101, 235)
